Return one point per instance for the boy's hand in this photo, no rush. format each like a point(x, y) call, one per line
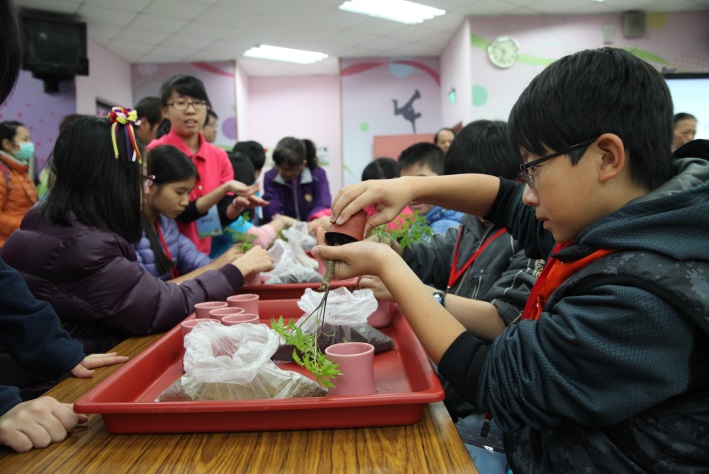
point(355, 259)
point(377, 286)
point(388, 196)
point(37, 423)
point(93, 361)
point(241, 189)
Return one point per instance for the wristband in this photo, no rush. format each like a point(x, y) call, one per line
point(440, 297)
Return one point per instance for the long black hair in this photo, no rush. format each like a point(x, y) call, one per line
point(169, 165)
point(11, 44)
point(89, 181)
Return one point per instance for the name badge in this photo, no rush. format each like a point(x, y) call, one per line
point(209, 225)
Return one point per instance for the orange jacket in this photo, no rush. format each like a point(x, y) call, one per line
point(16, 196)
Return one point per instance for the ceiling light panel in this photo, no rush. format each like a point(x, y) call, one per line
point(394, 10)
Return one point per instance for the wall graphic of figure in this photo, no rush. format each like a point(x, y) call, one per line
point(407, 111)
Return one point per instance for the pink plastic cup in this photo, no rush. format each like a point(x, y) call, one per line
point(234, 319)
point(190, 324)
point(248, 301)
point(220, 313)
point(201, 310)
point(356, 361)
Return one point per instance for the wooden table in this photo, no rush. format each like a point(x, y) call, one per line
point(432, 445)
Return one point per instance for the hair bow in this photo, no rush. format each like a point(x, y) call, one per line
point(127, 118)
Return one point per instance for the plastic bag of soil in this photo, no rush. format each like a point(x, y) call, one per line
point(346, 316)
point(234, 363)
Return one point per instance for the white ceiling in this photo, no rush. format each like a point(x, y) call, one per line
point(157, 31)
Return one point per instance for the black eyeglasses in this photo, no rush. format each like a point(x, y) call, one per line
point(528, 169)
point(183, 105)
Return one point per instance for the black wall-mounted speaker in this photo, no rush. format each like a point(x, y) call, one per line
point(634, 24)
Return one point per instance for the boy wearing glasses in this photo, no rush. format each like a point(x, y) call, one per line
point(607, 371)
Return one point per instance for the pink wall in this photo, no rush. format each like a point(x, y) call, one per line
point(369, 89)
point(299, 106)
point(242, 103)
point(108, 81)
point(457, 73)
point(676, 41)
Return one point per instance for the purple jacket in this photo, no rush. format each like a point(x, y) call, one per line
point(182, 250)
point(96, 286)
point(309, 196)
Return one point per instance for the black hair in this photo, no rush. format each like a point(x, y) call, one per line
point(87, 179)
point(381, 168)
point(435, 137)
point(184, 85)
point(592, 92)
point(311, 153)
point(255, 152)
point(289, 151)
point(424, 154)
point(681, 116)
point(484, 147)
point(67, 119)
point(169, 165)
point(243, 168)
point(150, 108)
point(210, 113)
point(163, 128)
point(8, 130)
point(11, 44)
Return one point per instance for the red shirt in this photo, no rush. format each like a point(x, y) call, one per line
point(214, 169)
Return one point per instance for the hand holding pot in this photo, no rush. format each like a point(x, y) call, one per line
point(354, 259)
point(389, 197)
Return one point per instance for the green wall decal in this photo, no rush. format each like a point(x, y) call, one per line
point(647, 56)
point(364, 126)
point(479, 96)
point(478, 41)
point(657, 20)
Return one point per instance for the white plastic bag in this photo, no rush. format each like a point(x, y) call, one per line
point(346, 316)
point(234, 363)
point(292, 264)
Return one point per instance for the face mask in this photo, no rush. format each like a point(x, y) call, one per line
point(25, 152)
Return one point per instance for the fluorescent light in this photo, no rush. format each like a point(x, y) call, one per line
point(394, 10)
point(277, 53)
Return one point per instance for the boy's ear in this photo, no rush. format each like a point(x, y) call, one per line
point(613, 159)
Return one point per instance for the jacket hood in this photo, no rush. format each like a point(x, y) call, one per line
point(672, 220)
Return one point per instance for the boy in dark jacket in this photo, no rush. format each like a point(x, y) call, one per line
point(608, 369)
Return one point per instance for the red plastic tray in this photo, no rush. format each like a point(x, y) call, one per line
point(293, 290)
point(288, 291)
point(405, 381)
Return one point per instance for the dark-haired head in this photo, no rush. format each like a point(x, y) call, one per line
point(592, 92)
point(255, 152)
point(10, 47)
point(289, 152)
point(90, 182)
point(189, 86)
point(170, 165)
point(243, 168)
point(381, 168)
point(8, 131)
point(422, 154)
point(149, 108)
point(443, 138)
point(484, 147)
point(311, 153)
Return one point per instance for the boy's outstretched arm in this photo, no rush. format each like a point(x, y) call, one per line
point(432, 324)
point(470, 193)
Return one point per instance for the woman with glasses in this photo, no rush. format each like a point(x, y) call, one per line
point(185, 104)
point(75, 249)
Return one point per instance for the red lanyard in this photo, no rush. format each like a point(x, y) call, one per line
point(198, 183)
point(454, 275)
point(174, 273)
